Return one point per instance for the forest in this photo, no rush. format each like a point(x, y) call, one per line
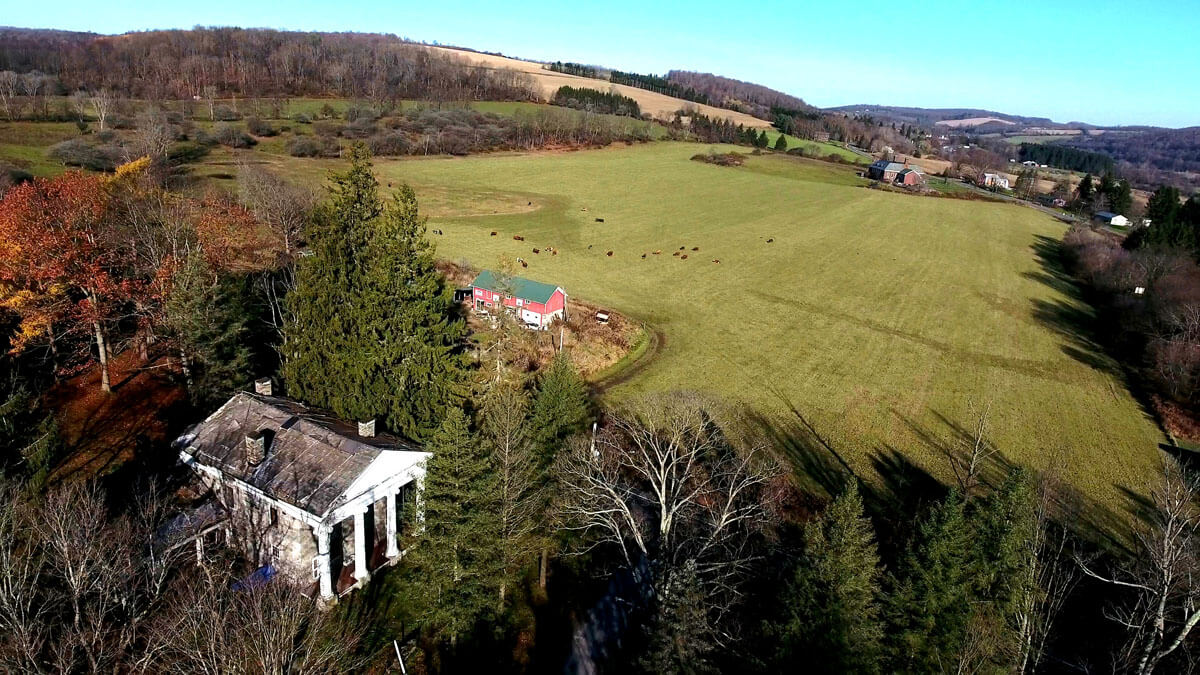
point(225, 62)
point(609, 103)
point(746, 97)
point(1062, 157)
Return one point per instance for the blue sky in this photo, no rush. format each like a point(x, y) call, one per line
point(1101, 62)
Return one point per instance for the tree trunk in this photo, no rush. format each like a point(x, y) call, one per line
point(102, 348)
point(543, 564)
point(185, 365)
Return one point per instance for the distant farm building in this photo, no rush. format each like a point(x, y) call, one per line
point(993, 180)
point(894, 172)
point(1109, 218)
point(537, 304)
point(298, 491)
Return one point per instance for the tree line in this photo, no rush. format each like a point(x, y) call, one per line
point(753, 99)
point(608, 103)
point(575, 69)
point(658, 84)
point(207, 62)
point(1063, 157)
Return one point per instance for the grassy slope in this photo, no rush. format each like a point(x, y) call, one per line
point(878, 316)
point(823, 148)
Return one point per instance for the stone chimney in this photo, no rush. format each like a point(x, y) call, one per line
point(367, 429)
point(906, 162)
point(256, 448)
point(262, 386)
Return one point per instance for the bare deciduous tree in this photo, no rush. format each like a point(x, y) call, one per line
point(10, 85)
point(663, 485)
point(973, 451)
point(102, 104)
point(282, 206)
point(1163, 578)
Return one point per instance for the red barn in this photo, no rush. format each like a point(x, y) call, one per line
point(537, 304)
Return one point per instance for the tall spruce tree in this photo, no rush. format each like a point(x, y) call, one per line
point(373, 333)
point(928, 610)
point(519, 488)
point(560, 408)
point(207, 319)
point(832, 617)
point(1086, 190)
point(781, 143)
point(454, 563)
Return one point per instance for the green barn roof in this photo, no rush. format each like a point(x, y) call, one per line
point(517, 287)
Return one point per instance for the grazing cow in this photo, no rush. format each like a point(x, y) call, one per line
point(520, 260)
point(529, 204)
point(599, 220)
point(643, 255)
point(681, 248)
point(554, 251)
point(716, 261)
point(524, 264)
point(536, 251)
point(609, 254)
point(683, 257)
point(695, 248)
point(589, 247)
point(770, 240)
point(658, 252)
point(675, 254)
point(518, 237)
point(494, 233)
point(437, 231)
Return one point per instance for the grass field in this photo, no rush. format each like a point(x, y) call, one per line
point(877, 316)
point(824, 149)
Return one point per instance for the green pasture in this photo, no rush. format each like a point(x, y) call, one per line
point(881, 319)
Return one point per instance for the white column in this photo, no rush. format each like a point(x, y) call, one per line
point(322, 534)
point(392, 549)
point(200, 549)
point(360, 547)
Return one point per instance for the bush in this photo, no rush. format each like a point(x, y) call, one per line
point(355, 113)
point(394, 143)
point(360, 128)
point(329, 129)
point(301, 118)
point(726, 159)
point(260, 128)
point(226, 114)
point(106, 136)
point(76, 152)
point(309, 146)
point(187, 151)
point(228, 134)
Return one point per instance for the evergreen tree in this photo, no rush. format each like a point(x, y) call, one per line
point(762, 141)
point(1005, 527)
point(678, 637)
point(519, 496)
point(1119, 197)
point(1086, 190)
point(1164, 206)
point(370, 306)
point(831, 620)
point(454, 563)
point(560, 408)
point(929, 607)
point(208, 321)
point(781, 143)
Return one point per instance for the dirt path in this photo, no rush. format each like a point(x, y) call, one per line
point(627, 371)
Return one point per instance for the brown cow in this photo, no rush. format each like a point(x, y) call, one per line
point(770, 240)
point(658, 252)
point(675, 254)
point(494, 233)
point(695, 248)
point(609, 254)
point(518, 237)
point(524, 264)
point(683, 257)
point(536, 251)
point(716, 261)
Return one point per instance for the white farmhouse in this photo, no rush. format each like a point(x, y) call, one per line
point(297, 489)
point(995, 180)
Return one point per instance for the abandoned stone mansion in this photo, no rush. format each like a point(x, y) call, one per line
point(300, 492)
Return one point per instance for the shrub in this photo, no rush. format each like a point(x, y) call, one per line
point(106, 136)
point(726, 159)
point(360, 128)
point(301, 118)
point(76, 152)
point(309, 146)
point(328, 112)
point(258, 127)
point(394, 143)
point(355, 113)
point(226, 114)
point(327, 128)
point(228, 134)
point(187, 151)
